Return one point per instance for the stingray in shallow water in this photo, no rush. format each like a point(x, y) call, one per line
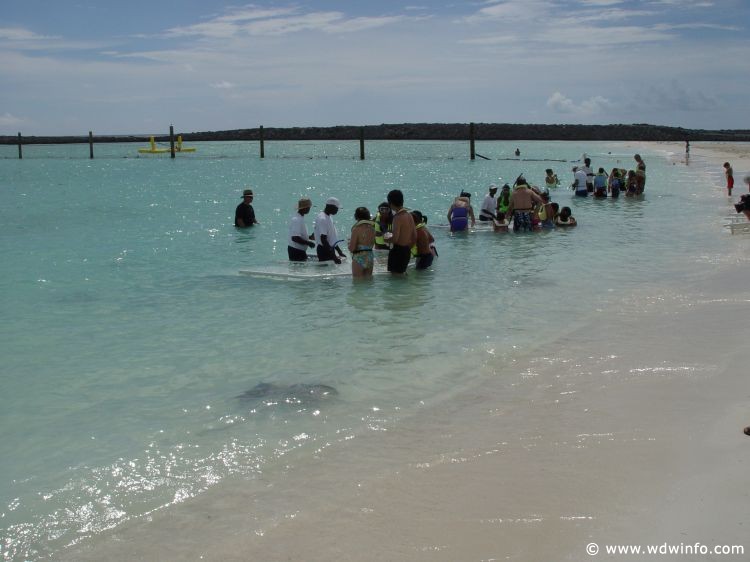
point(288, 394)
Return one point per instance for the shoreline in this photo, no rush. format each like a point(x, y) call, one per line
point(642, 133)
point(631, 434)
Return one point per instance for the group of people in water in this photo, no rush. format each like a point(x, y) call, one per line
point(526, 206)
point(401, 232)
point(529, 207)
point(404, 233)
point(603, 184)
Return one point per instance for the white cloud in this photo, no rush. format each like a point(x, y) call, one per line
point(20, 34)
point(279, 22)
point(601, 2)
point(685, 3)
point(696, 25)
point(592, 106)
point(227, 25)
point(8, 120)
point(223, 85)
point(509, 10)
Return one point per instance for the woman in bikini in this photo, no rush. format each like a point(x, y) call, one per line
point(361, 243)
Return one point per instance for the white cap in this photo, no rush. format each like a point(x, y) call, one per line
point(333, 201)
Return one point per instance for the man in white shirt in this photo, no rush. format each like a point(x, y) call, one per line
point(589, 175)
point(489, 205)
point(299, 241)
point(325, 232)
point(580, 182)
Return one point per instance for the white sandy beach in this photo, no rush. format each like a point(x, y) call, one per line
point(632, 436)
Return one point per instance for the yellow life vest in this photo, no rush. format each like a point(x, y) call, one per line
point(379, 239)
point(414, 247)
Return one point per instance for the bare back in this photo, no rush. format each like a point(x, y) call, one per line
point(404, 230)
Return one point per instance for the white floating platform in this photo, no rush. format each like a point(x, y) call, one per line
point(480, 226)
point(313, 269)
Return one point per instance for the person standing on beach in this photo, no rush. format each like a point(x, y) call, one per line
point(404, 234)
point(325, 232)
point(299, 241)
point(244, 214)
point(729, 173)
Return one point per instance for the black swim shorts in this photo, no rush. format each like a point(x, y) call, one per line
point(398, 258)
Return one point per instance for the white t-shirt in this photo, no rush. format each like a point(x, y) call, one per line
point(324, 226)
point(589, 173)
point(489, 205)
point(297, 228)
point(581, 177)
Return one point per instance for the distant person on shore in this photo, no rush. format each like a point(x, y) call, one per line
point(489, 205)
point(518, 152)
point(424, 248)
point(299, 241)
point(244, 214)
point(361, 243)
point(743, 205)
point(687, 148)
point(404, 234)
point(729, 173)
point(325, 232)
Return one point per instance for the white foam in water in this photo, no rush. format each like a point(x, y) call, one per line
point(125, 342)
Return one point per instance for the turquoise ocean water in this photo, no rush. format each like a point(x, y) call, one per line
point(127, 333)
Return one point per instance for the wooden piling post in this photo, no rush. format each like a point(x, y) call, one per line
point(91, 145)
point(171, 141)
point(20, 151)
point(262, 148)
point(472, 152)
point(361, 143)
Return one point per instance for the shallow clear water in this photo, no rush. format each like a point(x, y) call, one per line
point(128, 333)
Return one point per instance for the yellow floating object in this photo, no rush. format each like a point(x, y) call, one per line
point(180, 148)
point(154, 150)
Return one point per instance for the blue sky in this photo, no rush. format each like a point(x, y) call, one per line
point(67, 67)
